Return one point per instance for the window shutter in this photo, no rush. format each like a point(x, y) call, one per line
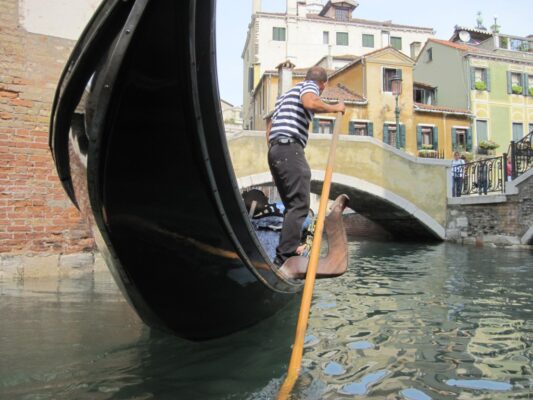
point(525, 84)
point(509, 83)
point(454, 138)
point(385, 133)
point(402, 136)
point(370, 129)
point(472, 78)
point(487, 79)
point(435, 138)
point(418, 137)
point(315, 125)
point(351, 128)
point(469, 139)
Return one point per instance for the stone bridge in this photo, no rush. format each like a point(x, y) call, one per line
point(404, 194)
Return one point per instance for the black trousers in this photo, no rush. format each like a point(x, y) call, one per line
point(292, 177)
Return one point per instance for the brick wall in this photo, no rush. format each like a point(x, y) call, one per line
point(35, 214)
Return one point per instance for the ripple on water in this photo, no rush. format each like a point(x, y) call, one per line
point(333, 369)
point(414, 394)
point(480, 384)
point(361, 345)
point(362, 386)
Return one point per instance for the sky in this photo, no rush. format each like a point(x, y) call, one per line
point(233, 16)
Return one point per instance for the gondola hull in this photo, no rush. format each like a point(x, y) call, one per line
point(139, 145)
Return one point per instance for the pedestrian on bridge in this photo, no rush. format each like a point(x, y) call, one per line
point(458, 173)
point(287, 133)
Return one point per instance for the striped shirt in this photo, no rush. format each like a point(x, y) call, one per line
point(458, 168)
point(290, 118)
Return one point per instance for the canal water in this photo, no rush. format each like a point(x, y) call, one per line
point(405, 322)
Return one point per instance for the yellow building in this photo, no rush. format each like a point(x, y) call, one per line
point(365, 85)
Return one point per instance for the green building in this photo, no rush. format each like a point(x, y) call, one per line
point(489, 74)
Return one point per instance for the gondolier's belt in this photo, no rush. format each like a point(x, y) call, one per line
point(283, 141)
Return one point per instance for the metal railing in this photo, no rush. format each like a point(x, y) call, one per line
point(520, 154)
point(483, 177)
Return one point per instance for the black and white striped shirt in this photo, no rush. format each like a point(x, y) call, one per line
point(290, 118)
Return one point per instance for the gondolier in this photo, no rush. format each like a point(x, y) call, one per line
point(287, 134)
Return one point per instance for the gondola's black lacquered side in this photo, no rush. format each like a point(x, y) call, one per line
point(139, 144)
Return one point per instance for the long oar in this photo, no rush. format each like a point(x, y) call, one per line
point(303, 317)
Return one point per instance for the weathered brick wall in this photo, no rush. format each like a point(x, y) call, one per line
point(35, 214)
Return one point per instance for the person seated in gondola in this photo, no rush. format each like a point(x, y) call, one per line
point(268, 216)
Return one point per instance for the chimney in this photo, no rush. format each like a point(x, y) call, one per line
point(284, 76)
point(292, 7)
point(256, 6)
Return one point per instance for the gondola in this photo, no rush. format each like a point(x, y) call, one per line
point(139, 146)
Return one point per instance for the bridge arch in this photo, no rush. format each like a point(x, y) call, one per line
point(407, 195)
point(396, 214)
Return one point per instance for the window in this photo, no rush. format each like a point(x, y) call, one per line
point(516, 83)
point(342, 14)
point(518, 131)
point(460, 139)
point(480, 78)
point(342, 38)
point(388, 74)
point(389, 134)
point(427, 136)
point(396, 42)
point(325, 37)
point(385, 38)
point(391, 137)
point(323, 125)
point(424, 96)
point(481, 131)
point(429, 55)
point(368, 40)
point(278, 34)
point(519, 45)
point(360, 128)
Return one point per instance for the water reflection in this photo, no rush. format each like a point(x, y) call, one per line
point(407, 321)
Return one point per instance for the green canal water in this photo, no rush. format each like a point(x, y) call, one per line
point(405, 322)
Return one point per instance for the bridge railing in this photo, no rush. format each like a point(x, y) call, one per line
point(484, 176)
point(521, 155)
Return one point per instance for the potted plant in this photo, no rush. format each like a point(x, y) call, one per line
point(487, 146)
point(517, 89)
point(427, 151)
point(531, 91)
point(480, 85)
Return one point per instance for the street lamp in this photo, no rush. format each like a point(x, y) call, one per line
point(396, 83)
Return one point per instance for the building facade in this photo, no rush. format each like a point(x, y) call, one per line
point(484, 73)
point(308, 31)
point(365, 86)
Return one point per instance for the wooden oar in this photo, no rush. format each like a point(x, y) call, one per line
point(303, 317)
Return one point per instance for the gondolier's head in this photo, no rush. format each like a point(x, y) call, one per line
point(318, 75)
